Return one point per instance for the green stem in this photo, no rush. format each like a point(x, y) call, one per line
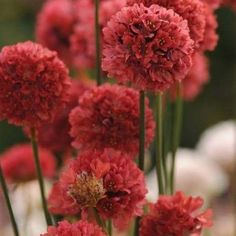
point(40, 177)
point(178, 112)
point(99, 220)
point(159, 143)
point(97, 35)
point(6, 196)
point(109, 227)
point(141, 145)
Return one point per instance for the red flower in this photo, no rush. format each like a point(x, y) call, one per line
point(55, 136)
point(197, 77)
point(33, 84)
point(108, 117)
point(191, 10)
point(107, 180)
point(214, 4)
point(230, 3)
point(149, 47)
point(55, 25)
point(80, 228)
point(18, 163)
point(175, 215)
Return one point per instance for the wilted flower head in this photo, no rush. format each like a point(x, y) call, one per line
point(79, 228)
point(175, 215)
point(34, 83)
point(18, 163)
point(149, 47)
point(108, 117)
point(107, 180)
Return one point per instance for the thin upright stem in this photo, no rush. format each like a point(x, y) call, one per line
point(159, 143)
point(177, 125)
point(98, 219)
point(8, 202)
point(40, 177)
point(97, 33)
point(109, 227)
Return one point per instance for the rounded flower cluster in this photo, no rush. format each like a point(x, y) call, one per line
point(55, 25)
point(175, 215)
point(191, 10)
point(80, 228)
point(34, 83)
point(107, 180)
point(197, 77)
point(149, 47)
point(55, 136)
point(18, 163)
point(108, 117)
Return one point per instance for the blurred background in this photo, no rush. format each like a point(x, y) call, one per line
point(216, 103)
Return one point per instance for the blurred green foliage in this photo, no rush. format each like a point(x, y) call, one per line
point(216, 103)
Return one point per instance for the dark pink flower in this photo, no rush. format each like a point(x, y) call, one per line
point(108, 180)
point(196, 78)
point(214, 4)
point(108, 117)
point(79, 228)
point(55, 25)
point(18, 163)
point(34, 83)
point(149, 47)
point(176, 215)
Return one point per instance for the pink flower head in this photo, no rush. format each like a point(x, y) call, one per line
point(176, 215)
point(149, 47)
point(55, 25)
point(108, 117)
point(55, 136)
point(108, 180)
point(196, 78)
point(80, 228)
point(34, 83)
point(18, 163)
point(191, 10)
point(83, 40)
point(214, 4)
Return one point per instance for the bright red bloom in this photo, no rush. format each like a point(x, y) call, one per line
point(34, 83)
point(191, 10)
point(55, 136)
point(108, 180)
point(176, 215)
point(18, 163)
point(149, 47)
point(80, 228)
point(108, 117)
point(55, 25)
point(196, 79)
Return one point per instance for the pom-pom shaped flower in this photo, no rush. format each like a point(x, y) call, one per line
point(196, 78)
point(18, 163)
point(108, 117)
point(108, 180)
point(149, 47)
point(55, 136)
point(191, 10)
point(80, 228)
point(33, 84)
point(175, 215)
point(55, 25)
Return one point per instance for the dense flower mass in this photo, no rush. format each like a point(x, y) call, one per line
point(108, 117)
point(149, 47)
point(107, 180)
point(80, 228)
point(18, 163)
point(55, 136)
point(196, 78)
point(214, 4)
point(55, 25)
point(33, 84)
point(175, 215)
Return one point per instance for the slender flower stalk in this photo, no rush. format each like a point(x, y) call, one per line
point(6, 196)
point(40, 177)
point(98, 219)
point(109, 227)
point(97, 33)
point(159, 143)
point(178, 112)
